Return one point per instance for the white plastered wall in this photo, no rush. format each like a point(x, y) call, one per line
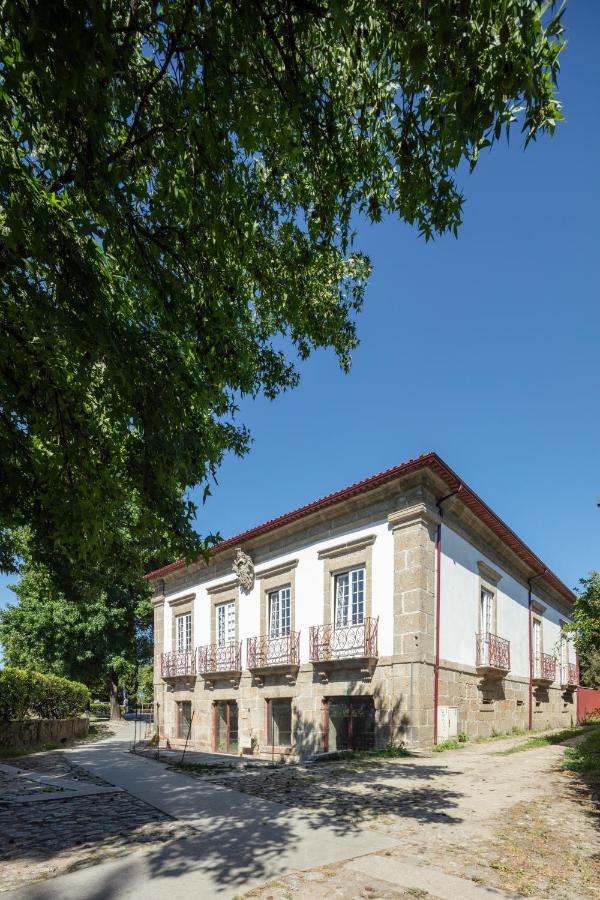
point(459, 618)
point(309, 582)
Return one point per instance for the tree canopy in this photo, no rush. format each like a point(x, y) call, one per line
point(586, 629)
point(100, 643)
point(178, 186)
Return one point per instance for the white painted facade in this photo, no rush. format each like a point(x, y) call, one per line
point(459, 605)
point(309, 592)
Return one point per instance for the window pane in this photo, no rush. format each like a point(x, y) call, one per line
point(342, 590)
point(284, 610)
point(339, 723)
point(281, 722)
point(486, 611)
point(230, 621)
point(358, 596)
point(184, 632)
point(185, 718)
point(363, 723)
point(274, 614)
point(221, 637)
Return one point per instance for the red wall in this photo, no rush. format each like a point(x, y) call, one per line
point(587, 701)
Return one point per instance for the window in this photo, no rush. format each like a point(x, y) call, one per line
point(184, 718)
point(564, 655)
point(537, 648)
point(349, 723)
point(279, 612)
point(487, 600)
point(225, 623)
point(349, 595)
point(225, 735)
point(184, 632)
point(279, 723)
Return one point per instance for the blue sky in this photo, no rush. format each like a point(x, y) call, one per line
point(485, 349)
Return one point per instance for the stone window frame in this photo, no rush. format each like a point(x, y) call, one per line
point(181, 607)
point(488, 581)
point(272, 579)
point(352, 554)
point(224, 593)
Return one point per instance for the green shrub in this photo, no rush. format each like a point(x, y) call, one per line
point(25, 695)
point(463, 737)
point(585, 757)
point(101, 710)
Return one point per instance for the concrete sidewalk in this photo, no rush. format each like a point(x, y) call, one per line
point(240, 840)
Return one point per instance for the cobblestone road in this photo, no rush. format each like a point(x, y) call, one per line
point(40, 839)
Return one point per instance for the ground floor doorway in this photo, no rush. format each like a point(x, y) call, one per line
point(225, 727)
point(348, 723)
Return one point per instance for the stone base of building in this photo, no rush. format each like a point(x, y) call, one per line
point(392, 703)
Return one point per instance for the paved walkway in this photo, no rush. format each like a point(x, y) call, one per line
point(237, 841)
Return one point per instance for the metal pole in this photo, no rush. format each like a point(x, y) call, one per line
point(135, 728)
point(187, 738)
point(158, 731)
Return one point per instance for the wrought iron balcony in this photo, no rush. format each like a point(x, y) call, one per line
point(178, 664)
point(329, 643)
point(544, 668)
point(220, 659)
point(493, 655)
point(273, 652)
point(569, 675)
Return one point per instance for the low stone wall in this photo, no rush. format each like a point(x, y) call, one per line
point(33, 732)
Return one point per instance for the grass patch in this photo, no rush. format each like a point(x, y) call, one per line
point(543, 740)
point(586, 756)
point(448, 745)
point(390, 752)
point(462, 738)
point(536, 856)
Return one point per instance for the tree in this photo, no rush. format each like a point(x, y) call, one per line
point(178, 184)
point(100, 643)
point(586, 628)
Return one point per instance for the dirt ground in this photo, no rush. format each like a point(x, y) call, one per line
point(513, 823)
point(464, 821)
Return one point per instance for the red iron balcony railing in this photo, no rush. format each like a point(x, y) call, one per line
point(177, 664)
point(220, 658)
point(262, 652)
point(328, 642)
point(493, 652)
point(544, 667)
point(570, 674)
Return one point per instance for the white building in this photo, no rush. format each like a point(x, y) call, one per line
point(398, 609)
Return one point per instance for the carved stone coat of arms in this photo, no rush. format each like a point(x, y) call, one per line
point(243, 568)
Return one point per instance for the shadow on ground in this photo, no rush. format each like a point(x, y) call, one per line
point(234, 835)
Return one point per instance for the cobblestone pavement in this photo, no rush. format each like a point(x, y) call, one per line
point(39, 840)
